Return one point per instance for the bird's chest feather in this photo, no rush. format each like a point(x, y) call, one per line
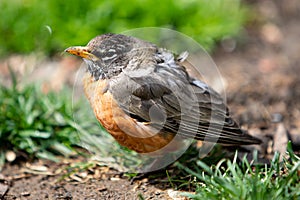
point(102, 102)
point(127, 131)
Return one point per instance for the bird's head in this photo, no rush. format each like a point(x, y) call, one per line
point(108, 54)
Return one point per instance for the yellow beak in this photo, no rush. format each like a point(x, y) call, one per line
point(83, 52)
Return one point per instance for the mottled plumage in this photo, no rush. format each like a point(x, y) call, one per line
point(152, 89)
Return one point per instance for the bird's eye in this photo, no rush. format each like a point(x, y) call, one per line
point(109, 54)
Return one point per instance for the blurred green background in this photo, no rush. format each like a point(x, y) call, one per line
point(52, 25)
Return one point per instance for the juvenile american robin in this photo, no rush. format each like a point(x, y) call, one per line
point(143, 96)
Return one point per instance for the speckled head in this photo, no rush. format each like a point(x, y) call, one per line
point(108, 54)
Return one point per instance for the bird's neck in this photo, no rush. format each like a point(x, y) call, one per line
point(100, 71)
point(95, 70)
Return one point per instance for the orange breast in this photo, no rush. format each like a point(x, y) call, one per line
point(127, 131)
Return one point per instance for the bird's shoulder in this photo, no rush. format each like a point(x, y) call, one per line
point(161, 81)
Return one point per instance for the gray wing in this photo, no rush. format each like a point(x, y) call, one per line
point(167, 99)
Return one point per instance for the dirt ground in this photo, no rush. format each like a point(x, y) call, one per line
point(262, 90)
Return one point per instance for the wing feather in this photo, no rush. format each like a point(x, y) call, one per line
point(185, 105)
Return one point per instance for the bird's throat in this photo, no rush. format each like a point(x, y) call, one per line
point(96, 70)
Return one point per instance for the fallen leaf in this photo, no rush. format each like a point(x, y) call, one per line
point(39, 168)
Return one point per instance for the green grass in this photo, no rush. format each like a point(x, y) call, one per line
point(52, 25)
point(37, 124)
point(243, 180)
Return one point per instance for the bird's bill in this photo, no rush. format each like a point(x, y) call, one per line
point(83, 52)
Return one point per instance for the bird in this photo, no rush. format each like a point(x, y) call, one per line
point(144, 97)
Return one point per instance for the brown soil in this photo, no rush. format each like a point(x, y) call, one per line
point(28, 182)
point(263, 92)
